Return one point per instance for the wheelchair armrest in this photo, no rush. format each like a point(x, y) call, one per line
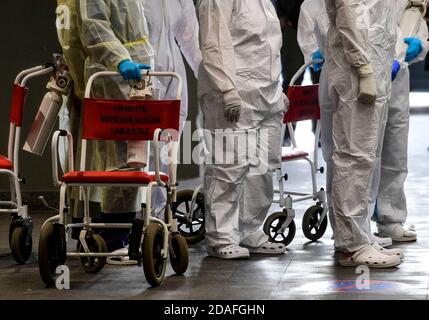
point(156, 136)
point(54, 148)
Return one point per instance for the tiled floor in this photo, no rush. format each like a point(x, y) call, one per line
point(306, 271)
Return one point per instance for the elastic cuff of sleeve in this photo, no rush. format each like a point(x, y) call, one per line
point(119, 64)
point(231, 96)
point(117, 61)
point(365, 70)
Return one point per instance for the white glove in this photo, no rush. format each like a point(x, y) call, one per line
point(367, 85)
point(286, 103)
point(232, 103)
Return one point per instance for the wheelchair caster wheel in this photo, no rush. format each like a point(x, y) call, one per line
point(193, 231)
point(273, 225)
point(21, 244)
point(179, 256)
point(309, 223)
point(51, 251)
point(94, 264)
point(154, 265)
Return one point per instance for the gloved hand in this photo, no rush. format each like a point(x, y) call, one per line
point(131, 70)
point(232, 102)
point(395, 69)
point(367, 85)
point(317, 55)
point(414, 48)
point(286, 102)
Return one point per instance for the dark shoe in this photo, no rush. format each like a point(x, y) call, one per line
point(116, 238)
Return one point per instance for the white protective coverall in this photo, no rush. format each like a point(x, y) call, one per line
point(113, 31)
point(362, 32)
point(313, 26)
point(240, 43)
point(173, 31)
point(312, 32)
point(390, 175)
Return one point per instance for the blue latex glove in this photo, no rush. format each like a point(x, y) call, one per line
point(414, 48)
point(317, 55)
point(395, 69)
point(131, 70)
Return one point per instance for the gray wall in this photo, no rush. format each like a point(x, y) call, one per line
point(29, 38)
point(419, 77)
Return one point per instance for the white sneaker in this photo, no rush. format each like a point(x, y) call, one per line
point(231, 251)
point(121, 260)
point(369, 256)
point(389, 252)
point(269, 248)
point(384, 242)
point(397, 232)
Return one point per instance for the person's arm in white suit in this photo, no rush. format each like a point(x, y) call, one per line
point(216, 43)
point(423, 35)
point(354, 37)
point(187, 36)
point(97, 35)
point(306, 34)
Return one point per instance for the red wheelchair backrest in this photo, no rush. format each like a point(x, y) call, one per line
point(18, 99)
point(304, 103)
point(128, 120)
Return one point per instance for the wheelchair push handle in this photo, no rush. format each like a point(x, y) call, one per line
point(302, 70)
point(102, 74)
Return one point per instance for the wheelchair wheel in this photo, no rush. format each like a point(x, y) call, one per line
point(21, 244)
point(94, 264)
point(154, 265)
point(180, 260)
point(272, 227)
point(309, 223)
point(51, 251)
point(193, 231)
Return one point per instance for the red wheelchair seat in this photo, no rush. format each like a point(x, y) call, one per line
point(112, 177)
point(5, 163)
point(292, 154)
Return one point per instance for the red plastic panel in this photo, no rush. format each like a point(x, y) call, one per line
point(129, 120)
point(5, 163)
point(304, 103)
point(138, 177)
point(18, 99)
